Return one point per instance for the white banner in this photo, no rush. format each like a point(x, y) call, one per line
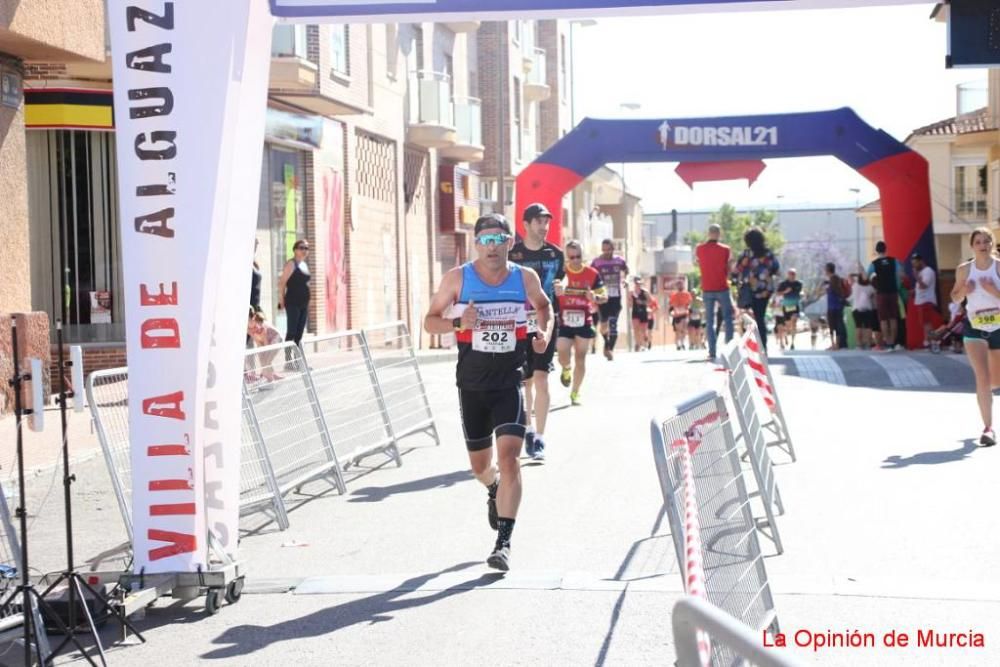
point(177, 70)
point(242, 156)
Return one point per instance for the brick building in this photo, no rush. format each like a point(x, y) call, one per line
point(382, 147)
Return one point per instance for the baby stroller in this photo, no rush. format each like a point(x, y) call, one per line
point(949, 335)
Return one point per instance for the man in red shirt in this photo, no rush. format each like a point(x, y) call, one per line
point(584, 287)
point(715, 260)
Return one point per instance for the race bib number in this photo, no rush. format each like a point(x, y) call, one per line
point(574, 318)
point(614, 291)
point(986, 320)
point(790, 308)
point(494, 337)
point(532, 321)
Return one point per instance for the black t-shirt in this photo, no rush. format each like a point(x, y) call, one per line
point(548, 262)
point(886, 280)
point(794, 288)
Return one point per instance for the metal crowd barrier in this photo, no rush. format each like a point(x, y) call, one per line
point(692, 614)
point(775, 424)
point(735, 576)
point(349, 398)
point(107, 395)
point(399, 375)
point(350, 395)
point(743, 389)
point(286, 412)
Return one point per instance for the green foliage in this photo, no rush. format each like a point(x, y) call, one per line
point(734, 226)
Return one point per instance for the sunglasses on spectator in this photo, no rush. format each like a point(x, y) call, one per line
point(574, 256)
point(492, 239)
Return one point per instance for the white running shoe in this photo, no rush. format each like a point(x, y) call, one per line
point(499, 559)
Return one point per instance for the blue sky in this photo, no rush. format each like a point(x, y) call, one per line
point(885, 62)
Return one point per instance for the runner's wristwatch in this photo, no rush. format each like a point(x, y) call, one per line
point(457, 323)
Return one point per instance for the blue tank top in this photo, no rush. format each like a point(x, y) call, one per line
point(491, 355)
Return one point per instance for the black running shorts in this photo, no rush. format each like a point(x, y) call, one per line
point(611, 308)
point(539, 362)
point(484, 413)
point(576, 332)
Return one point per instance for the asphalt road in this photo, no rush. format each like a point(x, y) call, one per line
point(890, 525)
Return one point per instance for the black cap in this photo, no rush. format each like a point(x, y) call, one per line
point(916, 255)
point(535, 210)
point(492, 221)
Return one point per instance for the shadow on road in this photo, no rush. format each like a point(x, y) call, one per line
point(620, 576)
point(373, 494)
point(246, 639)
point(895, 462)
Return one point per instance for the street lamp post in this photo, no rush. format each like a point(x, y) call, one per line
point(857, 224)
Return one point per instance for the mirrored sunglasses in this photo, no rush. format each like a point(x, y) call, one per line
point(492, 239)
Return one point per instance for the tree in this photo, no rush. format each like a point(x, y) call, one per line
point(734, 225)
point(809, 258)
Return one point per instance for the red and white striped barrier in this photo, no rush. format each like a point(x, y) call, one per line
point(693, 567)
point(756, 363)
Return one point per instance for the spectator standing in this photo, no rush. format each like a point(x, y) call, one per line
point(754, 271)
point(863, 307)
point(885, 273)
point(837, 292)
point(294, 293)
point(925, 296)
point(256, 279)
point(715, 260)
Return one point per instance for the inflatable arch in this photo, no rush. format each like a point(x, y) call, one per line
point(900, 173)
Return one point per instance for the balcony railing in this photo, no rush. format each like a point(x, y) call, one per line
point(430, 99)
point(970, 97)
point(536, 75)
point(970, 204)
point(289, 41)
point(468, 121)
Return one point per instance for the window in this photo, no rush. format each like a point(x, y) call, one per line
point(289, 41)
point(970, 191)
point(562, 67)
point(517, 31)
point(391, 50)
point(418, 47)
point(340, 61)
point(518, 130)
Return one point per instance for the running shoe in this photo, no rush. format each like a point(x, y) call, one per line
point(565, 377)
point(491, 504)
point(500, 558)
point(988, 438)
point(529, 443)
point(539, 452)
point(574, 397)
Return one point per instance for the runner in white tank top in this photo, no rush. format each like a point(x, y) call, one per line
point(978, 282)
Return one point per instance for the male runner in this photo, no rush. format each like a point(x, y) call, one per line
point(548, 262)
point(584, 287)
point(613, 270)
point(483, 302)
point(790, 291)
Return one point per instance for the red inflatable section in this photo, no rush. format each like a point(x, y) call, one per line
point(904, 189)
point(545, 184)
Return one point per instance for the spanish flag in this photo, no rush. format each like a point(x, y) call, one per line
point(68, 109)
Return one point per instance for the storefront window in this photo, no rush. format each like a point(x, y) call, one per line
point(75, 237)
point(280, 220)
